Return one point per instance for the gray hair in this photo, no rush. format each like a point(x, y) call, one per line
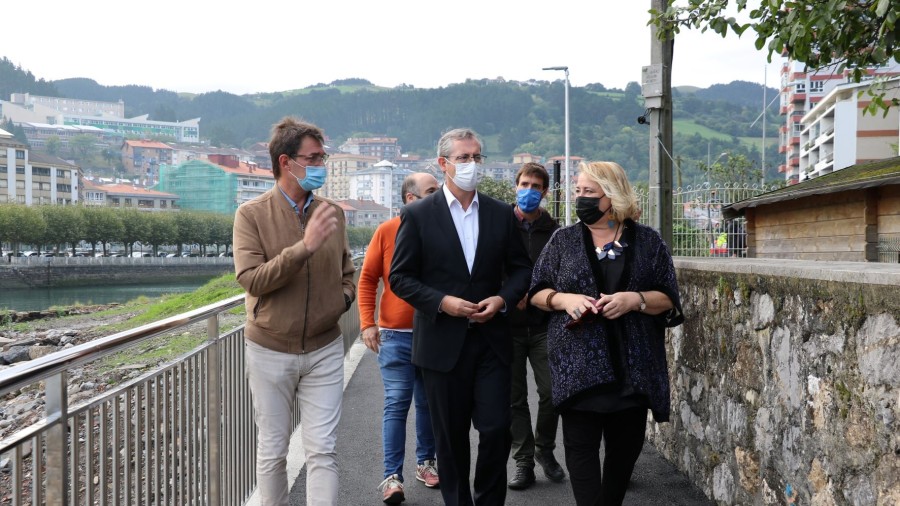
point(458, 134)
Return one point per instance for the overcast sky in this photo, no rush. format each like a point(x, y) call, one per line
point(269, 45)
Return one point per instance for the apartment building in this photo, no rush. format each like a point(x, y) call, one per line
point(126, 196)
point(364, 213)
point(219, 184)
point(383, 148)
point(33, 178)
point(801, 90)
point(341, 166)
point(836, 133)
point(75, 106)
point(379, 184)
point(145, 157)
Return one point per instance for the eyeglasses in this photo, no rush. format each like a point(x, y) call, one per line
point(466, 158)
point(312, 159)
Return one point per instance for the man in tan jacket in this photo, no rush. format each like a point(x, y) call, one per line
point(291, 255)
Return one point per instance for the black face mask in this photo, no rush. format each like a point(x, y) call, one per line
point(588, 209)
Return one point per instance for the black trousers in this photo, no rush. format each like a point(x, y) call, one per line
point(623, 434)
point(474, 393)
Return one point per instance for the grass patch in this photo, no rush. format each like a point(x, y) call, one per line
point(689, 127)
point(217, 289)
point(167, 347)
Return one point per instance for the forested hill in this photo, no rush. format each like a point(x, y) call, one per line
point(15, 79)
point(513, 116)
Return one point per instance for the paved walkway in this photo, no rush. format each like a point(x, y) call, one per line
point(655, 481)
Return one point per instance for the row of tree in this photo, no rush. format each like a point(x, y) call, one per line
point(62, 228)
point(58, 228)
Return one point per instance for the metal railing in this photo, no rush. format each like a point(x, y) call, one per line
point(698, 229)
point(181, 434)
point(889, 248)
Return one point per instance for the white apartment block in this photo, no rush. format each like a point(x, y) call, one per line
point(836, 133)
point(341, 166)
point(381, 185)
point(32, 178)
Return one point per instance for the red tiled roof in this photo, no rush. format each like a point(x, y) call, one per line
point(244, 168)
point(124, 189)
point(148, 144)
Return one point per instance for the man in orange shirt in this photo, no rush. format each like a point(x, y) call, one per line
point(392, 341)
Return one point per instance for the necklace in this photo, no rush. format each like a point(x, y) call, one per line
point(612, 249)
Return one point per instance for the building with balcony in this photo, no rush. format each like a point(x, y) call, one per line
point(801, 90)
point(145, 157)
point(219, 184)
point(341, 166)
point(34, 178)
point(836, 133)
point(364, 213)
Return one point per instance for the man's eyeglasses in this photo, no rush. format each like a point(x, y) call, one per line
point(467, 158)
point(312, 159)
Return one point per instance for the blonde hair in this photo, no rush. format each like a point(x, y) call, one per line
point(611, 178)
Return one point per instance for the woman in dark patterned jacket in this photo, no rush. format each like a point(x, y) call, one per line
point(610, 285)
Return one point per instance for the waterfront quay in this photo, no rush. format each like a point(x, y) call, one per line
point(49, 272)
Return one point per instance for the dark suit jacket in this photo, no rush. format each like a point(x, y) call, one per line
point(429, 263)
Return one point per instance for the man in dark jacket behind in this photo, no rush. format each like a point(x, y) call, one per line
point(528, 327)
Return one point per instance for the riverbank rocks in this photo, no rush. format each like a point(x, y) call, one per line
point(18, 347)
point(27, 316)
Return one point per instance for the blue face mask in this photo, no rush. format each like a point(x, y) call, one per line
point(528, 199)
point(315, 178)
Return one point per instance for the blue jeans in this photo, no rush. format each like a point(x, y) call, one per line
point(402, 384)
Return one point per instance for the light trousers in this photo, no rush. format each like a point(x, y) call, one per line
point(316, 380)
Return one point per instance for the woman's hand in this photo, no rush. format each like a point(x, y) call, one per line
point(576, 304)
point(617, 304)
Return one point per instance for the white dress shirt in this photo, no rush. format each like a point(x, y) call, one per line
point(466, 223)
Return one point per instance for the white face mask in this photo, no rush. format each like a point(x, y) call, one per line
point(467, 175)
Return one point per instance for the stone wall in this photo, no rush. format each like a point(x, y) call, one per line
point(786, 382)
point(58, 272)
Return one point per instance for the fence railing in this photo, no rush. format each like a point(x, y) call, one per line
point(889, 248)
point(698, 229)
point(181, 434)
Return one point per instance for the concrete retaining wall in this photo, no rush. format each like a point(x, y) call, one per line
point(38, 272)
point(786, 382)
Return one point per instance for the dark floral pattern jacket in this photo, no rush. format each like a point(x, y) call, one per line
point(579, 357)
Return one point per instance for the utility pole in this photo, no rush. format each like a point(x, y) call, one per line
point(657, 91)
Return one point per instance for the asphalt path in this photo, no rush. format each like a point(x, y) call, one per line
point(655, 480)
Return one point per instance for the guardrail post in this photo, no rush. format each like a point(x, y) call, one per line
point(57, 411)
point(214, 413)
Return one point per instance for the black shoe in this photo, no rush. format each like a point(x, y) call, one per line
point(552, 470)
point(523, 479)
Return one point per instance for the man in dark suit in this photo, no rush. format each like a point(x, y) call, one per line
point(459, 260)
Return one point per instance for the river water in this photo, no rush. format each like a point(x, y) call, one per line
point(36, 299)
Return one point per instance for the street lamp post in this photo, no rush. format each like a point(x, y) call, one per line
point(566, 172)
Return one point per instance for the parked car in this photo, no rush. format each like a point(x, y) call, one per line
point(228, 254)
point(172, 255)
point(29, 253)
point(138, 254)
